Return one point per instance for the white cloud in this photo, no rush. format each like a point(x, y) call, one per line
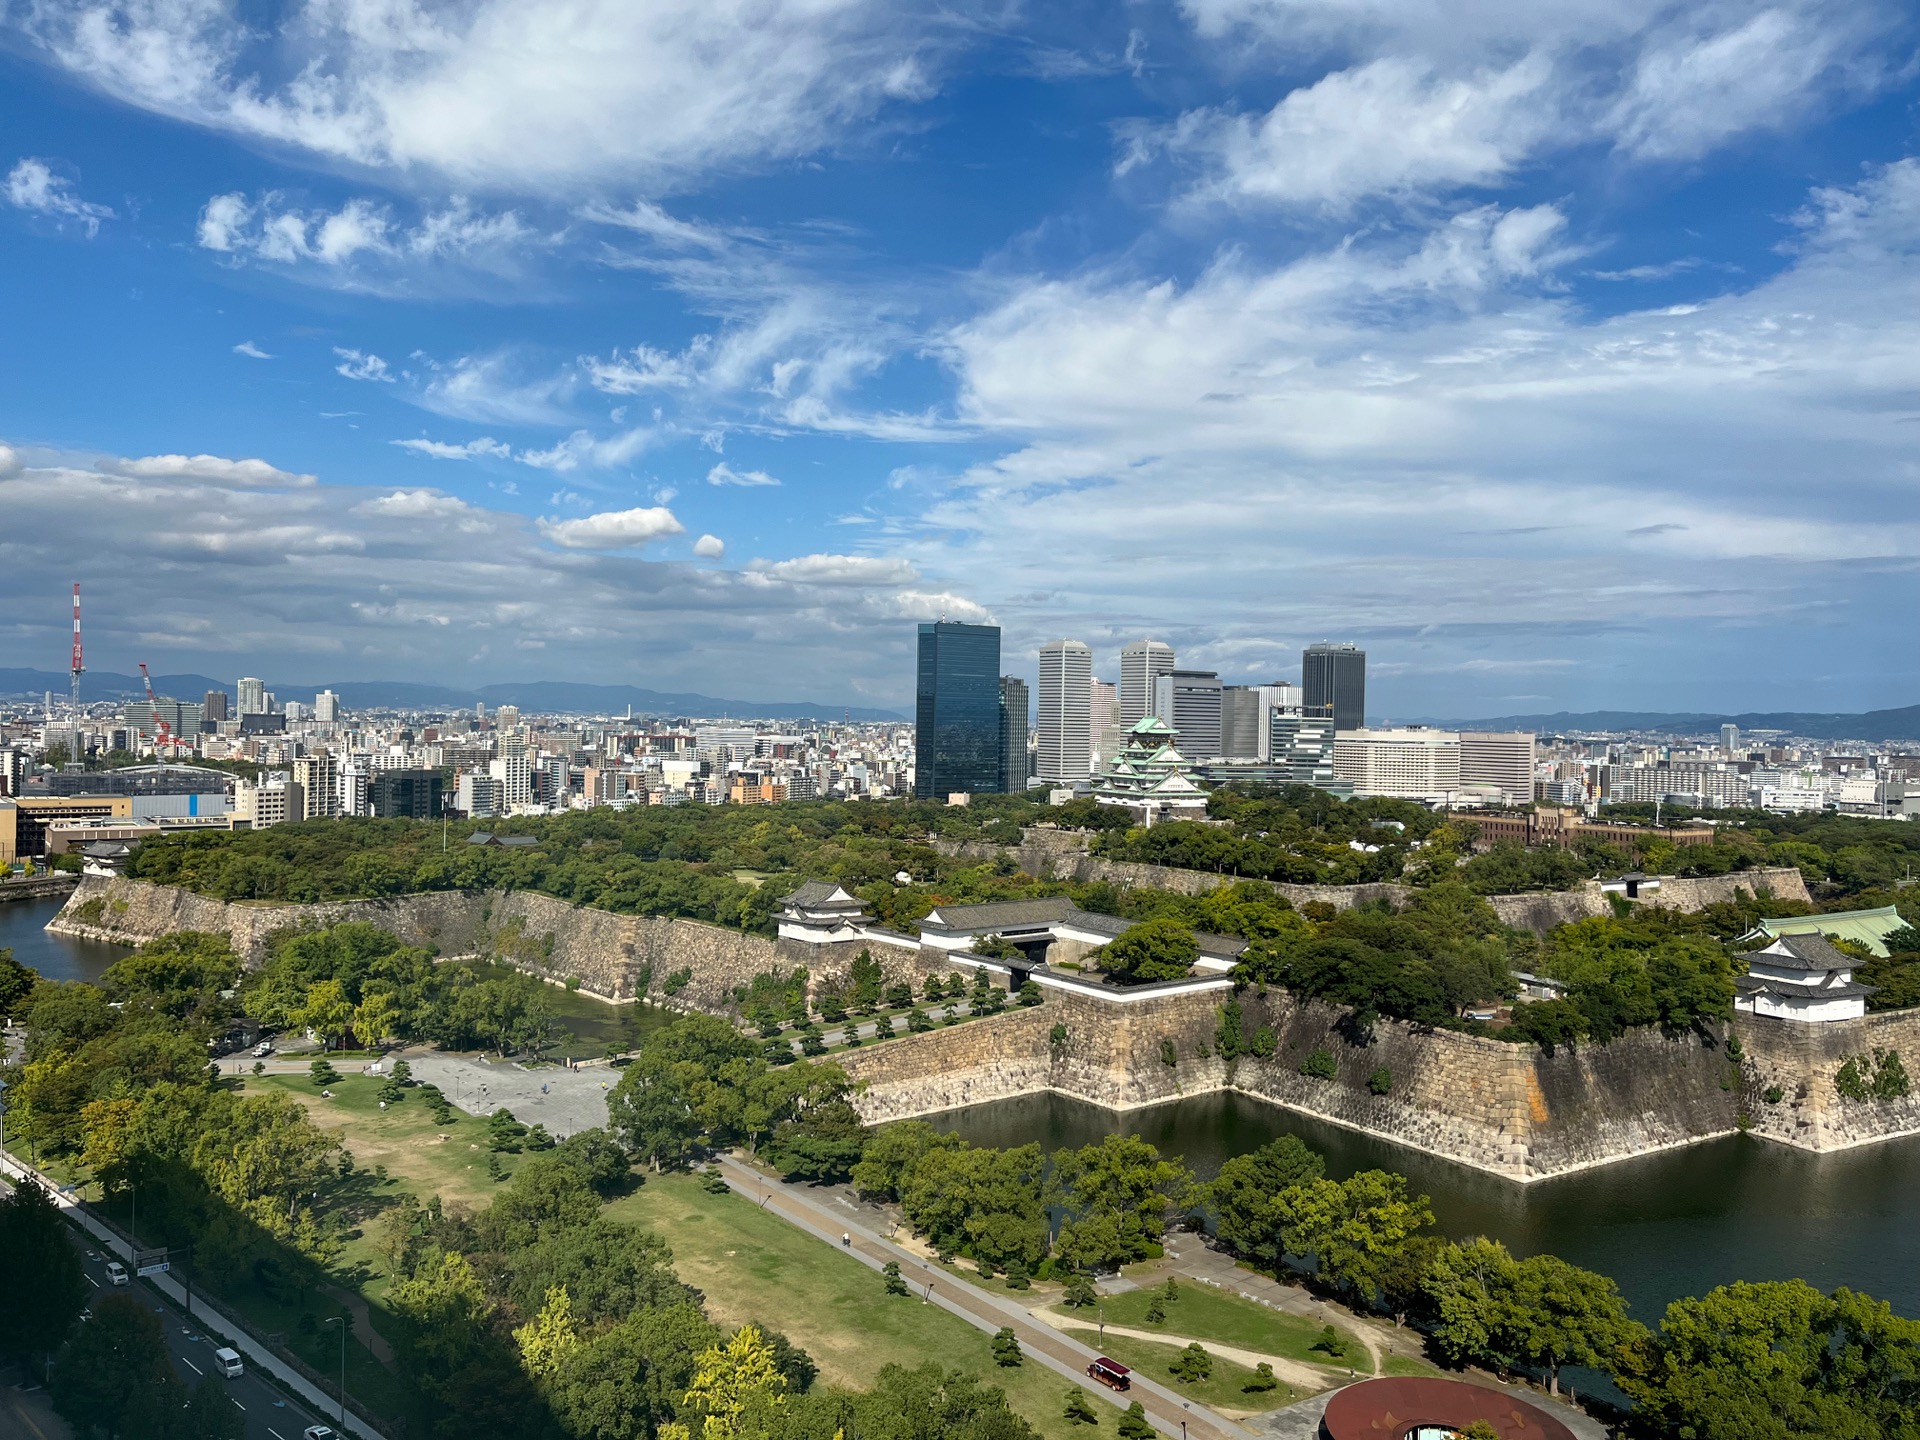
point(725, 474)
point(838, 570)
point(492, 389)
point(360, 365)
point(418, 505)
point(612, 530)
point(32, 185)
point(9, 462)
point(507, 92)
point(251, 351)
point(584, 451)
point(1392, 127)
point(441, 450)
point(710, 547)
point(209, 469)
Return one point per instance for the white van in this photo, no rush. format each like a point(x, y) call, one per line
point(116, 1273)
point(228, 1363)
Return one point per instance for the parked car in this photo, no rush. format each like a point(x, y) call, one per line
point(116, 1273)
point(229, 1363)
point(263, 1049)
point(320, 1432)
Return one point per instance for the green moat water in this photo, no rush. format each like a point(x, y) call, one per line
point(1667, 1225)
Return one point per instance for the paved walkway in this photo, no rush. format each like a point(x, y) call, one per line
point(1171, 1414)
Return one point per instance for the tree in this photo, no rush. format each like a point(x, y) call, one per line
point(1469, 1289)
point(1080, 1292)
point(1242, 1194)
point(1134, 1424)
point(1079, 1410)
point(209, 1415)
point(896, 1283)
point(1152, 950)
point(1006, 1347)
point(327, 1012)
point(734, 1380)
point(1355, 1228)
point(549, 1338)
point(117, 1376)
point(1156, 1309)
point(1116, 1194)
point(45, 1287)
point(1261, 1380)
point(321, 1072)
point(16, 984)
point(1563, 1315)
point(1192, 1364)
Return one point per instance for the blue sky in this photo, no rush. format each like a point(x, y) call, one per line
point(1563, 356)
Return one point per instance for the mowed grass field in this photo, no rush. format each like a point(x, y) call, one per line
point(1224, 1389)
point(755, 1266)
point(1199, 1312)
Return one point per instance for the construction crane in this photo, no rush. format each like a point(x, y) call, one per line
point(77, 666)
point(162, 732)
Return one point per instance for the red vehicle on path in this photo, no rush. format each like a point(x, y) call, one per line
point(1111, 1373)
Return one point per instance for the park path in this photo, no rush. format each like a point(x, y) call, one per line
point(1170, 1414)
point(356, 1305)
point(1306, 1377)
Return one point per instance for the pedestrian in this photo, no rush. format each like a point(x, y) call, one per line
point(846, 1239)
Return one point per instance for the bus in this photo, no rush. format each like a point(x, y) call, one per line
point(1111, 1373)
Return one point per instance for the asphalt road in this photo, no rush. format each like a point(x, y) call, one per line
point(269, 1414)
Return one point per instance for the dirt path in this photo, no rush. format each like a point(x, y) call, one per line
point(363, 1330)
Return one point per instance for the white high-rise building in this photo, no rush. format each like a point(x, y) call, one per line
point(479, 795)
point(1411, 764)
point(326, 707)
point(1108, 735)
point(318, 777)
point(253, 695)
point(1065, 729)
point(1140, 663)
point(514, 772)
point(1498, 760)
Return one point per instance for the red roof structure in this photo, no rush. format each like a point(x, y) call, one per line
point(1398, 1407)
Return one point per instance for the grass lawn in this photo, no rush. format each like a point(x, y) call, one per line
point(1200, 1312)
point(1221, 1390)
point(755, 1266)
point(1407, 1365)
point(445, 1160)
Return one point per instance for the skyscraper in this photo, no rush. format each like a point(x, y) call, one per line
point(1189, 701)
point(1108, 737)
point(1015, 707)
point(214, 707)
point(1064, 752)
point(253, 696)
point(1335, 676)
point(1243, 728)
point(956, 731)
point(1140, 662)
point(326, 707)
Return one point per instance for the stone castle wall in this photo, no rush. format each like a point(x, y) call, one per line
point(1802, 1060)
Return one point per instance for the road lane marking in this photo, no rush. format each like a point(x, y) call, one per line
point(236, 1404)
point(191, 1366)
point(275, 1433)
point(91, 1281)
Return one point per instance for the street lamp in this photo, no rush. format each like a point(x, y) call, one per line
point(341, 1321)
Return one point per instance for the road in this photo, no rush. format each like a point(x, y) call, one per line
point(269, 1414)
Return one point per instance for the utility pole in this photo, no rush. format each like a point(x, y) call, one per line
point(341, 1321)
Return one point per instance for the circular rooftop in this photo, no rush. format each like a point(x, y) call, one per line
point(1426, 1408)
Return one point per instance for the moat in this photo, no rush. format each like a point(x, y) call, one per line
point(1663, 1226)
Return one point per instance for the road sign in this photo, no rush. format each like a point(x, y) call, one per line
point(158, 1267)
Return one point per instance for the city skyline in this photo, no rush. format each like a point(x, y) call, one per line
point(1525, 352)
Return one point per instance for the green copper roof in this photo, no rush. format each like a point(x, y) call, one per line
point(1869, 927)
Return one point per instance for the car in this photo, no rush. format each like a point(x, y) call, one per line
point(229, 1363)
point(263, 1049)
point(320, 1432)
point(116, 1273)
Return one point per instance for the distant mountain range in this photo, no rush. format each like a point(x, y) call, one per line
point(544, 696)
point(1901, 724)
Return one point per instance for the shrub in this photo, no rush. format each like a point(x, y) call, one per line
point(323, 1073)
point(1331, 1343)
point(1018, 1277)
point(1380, 1081)
point(1057, 1036)
point(1080, 1293)
point(1156, 1310)
point(1079, 1409)
point(1134, 1424)
point(1168, 1055)
point(1261, 1380)
point(896, 1283)
point(1006, 1347)
point(1192, 1364)
point(1263, 1043)
point(1774, 1095)
point(1320, 1065)
point(917, 1021)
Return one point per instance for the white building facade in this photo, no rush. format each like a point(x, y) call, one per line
point(1409, 764)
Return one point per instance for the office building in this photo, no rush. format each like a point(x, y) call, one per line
point(214, 706)
point(1140, 664)
point(1243, 728)
point(1409, 764)
point(326, 708)
point(1105, 721)
point(1333, 679)
point(253, 695)
point(182, 717)
point(1730, 740)
point(1500, 761)
point(514, 773)
point(1015, 708)
point(1063, 732)
point(271, 802)
point(479, 796)
point(406, 794)
point(956, 734)
point(318, 777)
point(1189, 701)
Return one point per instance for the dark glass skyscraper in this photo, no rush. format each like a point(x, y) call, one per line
point(1015, 708)
point(1334, 681)
point(956, 741)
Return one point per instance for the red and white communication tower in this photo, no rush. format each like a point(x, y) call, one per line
point(77, 666)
